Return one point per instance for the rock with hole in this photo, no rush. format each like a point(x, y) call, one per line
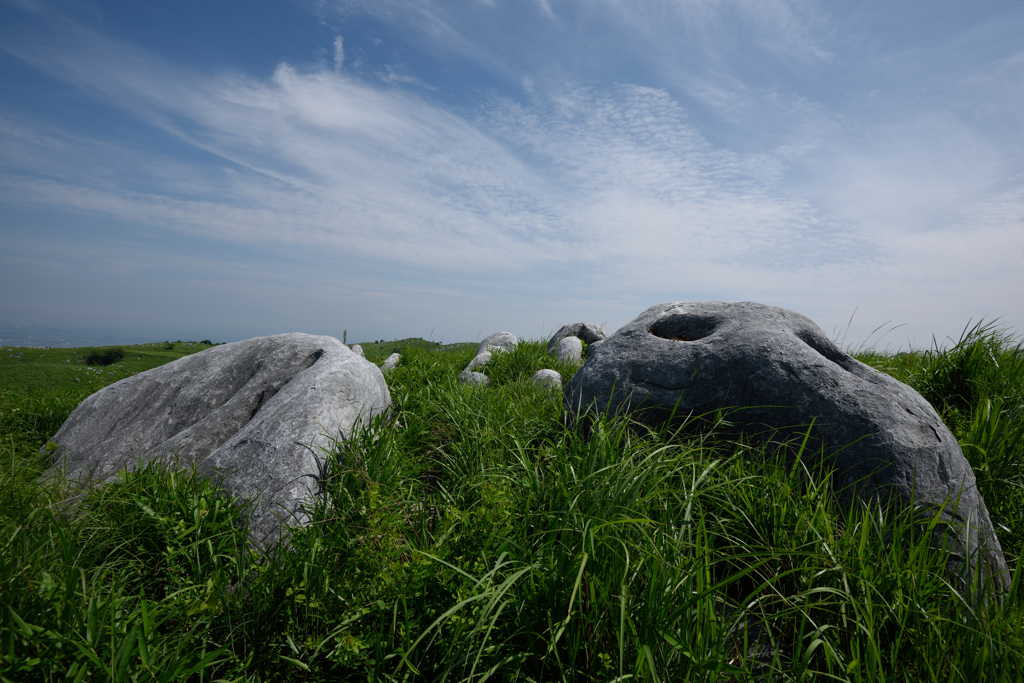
point(255, 414)
point(784, 375)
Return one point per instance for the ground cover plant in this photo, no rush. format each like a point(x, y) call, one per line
point(478, 534)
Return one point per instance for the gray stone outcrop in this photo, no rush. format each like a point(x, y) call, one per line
point(589, 333)
point(357, 349)
point(570, 349)
point(547, 378)
point(390, 362)
point(883, 439)
point(256, 414)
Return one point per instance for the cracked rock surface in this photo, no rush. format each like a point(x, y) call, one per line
point(253, 413)
point(882, 437)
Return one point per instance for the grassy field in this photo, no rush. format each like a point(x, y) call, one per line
point(480, 535)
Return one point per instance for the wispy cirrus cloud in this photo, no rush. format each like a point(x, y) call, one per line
point(322, 157)
point(706, 149)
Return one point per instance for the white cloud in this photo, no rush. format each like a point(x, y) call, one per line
point(614, 193)
point(339, 53)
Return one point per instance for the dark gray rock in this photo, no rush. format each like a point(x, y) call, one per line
point(548, 378)
point(506, 341)
point(254, 413)
point(882, 437)
point(589, 333)
point(390, 362)
point(474, 378)
point(570, 349)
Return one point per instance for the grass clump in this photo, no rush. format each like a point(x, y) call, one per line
point(476, 534)
point(105, 356)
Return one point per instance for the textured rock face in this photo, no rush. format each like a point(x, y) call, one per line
point(570, 349)
point(506, 341)
point(254, 413)
point(587, 332)
point(882, 437)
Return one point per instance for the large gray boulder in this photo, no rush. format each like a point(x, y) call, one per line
point(256, 414)
point(505, 341)
point(589, 333)
point(884, 440)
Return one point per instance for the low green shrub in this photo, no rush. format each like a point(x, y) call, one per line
point(105, 356)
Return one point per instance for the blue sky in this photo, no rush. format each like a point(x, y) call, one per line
point(228, 169)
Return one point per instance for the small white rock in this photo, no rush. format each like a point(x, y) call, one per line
point(570, 349)
point(548, 378)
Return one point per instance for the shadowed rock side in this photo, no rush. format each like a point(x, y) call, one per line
point(882, 437)
point(255, 413)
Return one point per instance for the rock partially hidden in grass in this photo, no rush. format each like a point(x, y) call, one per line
point(391, 362)
point(258, 414)
point(506, 341)
point(589, 333)
point(479, 360)
point(570, 349)
point(474, 378)
point(548, 378)
point(784, 377)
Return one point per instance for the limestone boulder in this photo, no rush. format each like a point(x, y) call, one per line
point(481, 359)
point(474, 378)
point(549, 379)
point(570, 349)
point(589, 333)
point(505, 341)
point(255, 414)
point(390, 362)
point(883, 439)
point(357, 349)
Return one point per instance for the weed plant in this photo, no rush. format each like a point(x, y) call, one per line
point(478, 534)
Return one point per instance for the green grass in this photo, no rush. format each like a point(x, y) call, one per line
point(480, 535)
point(377, 351)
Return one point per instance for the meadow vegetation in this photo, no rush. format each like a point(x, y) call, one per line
point(480, 534)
